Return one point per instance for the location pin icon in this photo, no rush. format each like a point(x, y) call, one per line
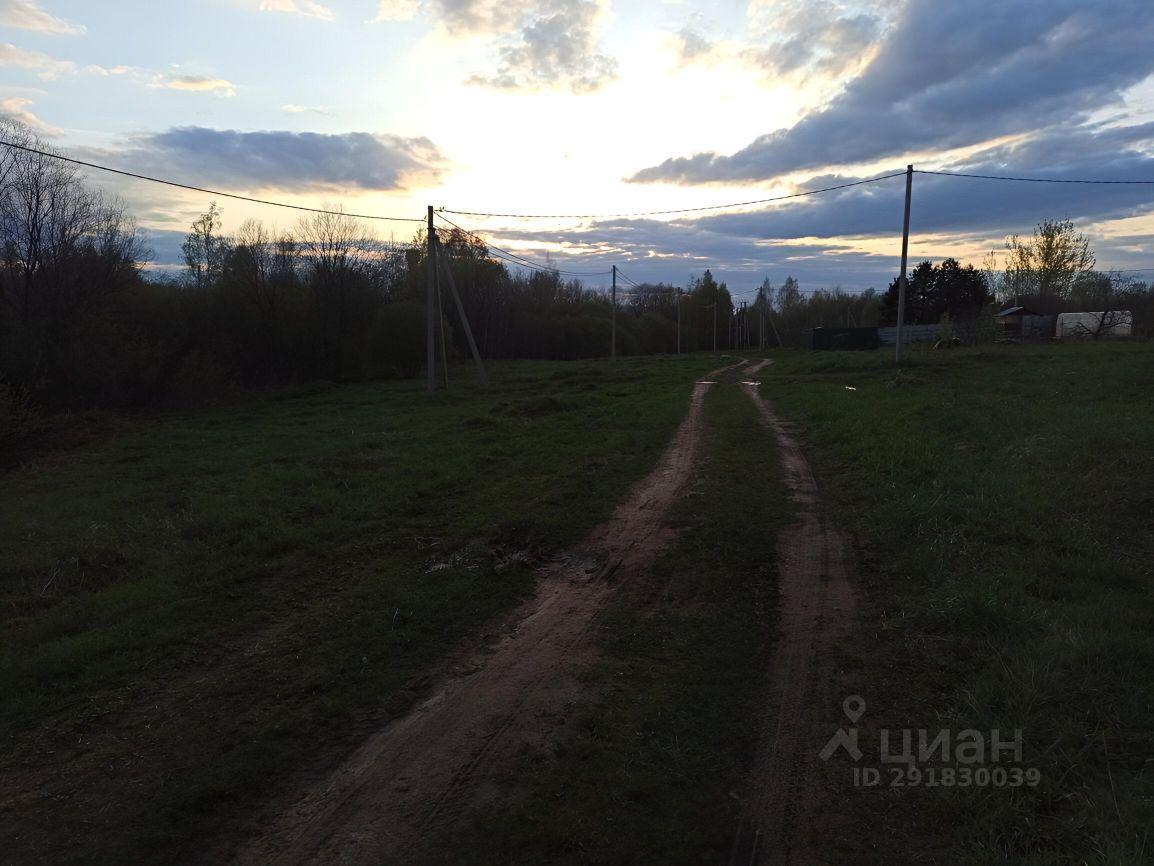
point(853, 706)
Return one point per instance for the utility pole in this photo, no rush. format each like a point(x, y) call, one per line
point(430, 304)
point(613, 347)
point(441, 321)
point(679, 321)
point(443, 261)
point(902, 275)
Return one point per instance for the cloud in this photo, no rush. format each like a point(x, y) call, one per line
point(304, 8)
point(480, 16)
point(194, 83)
point(555, 47)
point(26, 15)
point(396, 10)
point(305, 109)
point(819, 238)
point(16, 108)
point(109, 71)
point(294, 161)
point(693, 45)
point(804, 37)
point(540, 44)
point(977, 208)
point(954, 75)
point(44, 66)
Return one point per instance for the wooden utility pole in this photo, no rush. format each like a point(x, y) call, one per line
point(613, 346)
point(441, 322)
point(773, 324)
point(902, 275)
point(679, 321)
point(444, 263)
point(430, 304)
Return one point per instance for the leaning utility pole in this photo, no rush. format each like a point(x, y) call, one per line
point(613, 338)
point(430, 304)
point(679, 321)
point(902, 275)
point(443, 261)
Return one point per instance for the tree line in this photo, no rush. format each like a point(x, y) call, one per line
point(85, 323)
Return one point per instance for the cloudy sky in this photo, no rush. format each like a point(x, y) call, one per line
point(614, 107)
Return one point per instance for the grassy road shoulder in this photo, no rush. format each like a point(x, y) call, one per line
point(1002, 500)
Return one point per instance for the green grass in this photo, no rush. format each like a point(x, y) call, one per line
point(1003, 498)
point(196, 606)
point(653, 769)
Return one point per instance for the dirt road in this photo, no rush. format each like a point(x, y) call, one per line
point(787, 818)
point(409, 780)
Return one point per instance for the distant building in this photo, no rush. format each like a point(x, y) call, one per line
point(1022, 323)
point(1112, 323)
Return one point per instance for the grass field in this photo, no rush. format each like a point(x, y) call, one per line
point(1002, 499)
point(192, 602)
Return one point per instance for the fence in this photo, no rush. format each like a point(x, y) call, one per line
point(910, 334)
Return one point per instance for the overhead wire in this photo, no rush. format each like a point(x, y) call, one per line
point(521, 260)
point(212, 192)
point(1030, 179)
point(627, 279)
point(677, 210)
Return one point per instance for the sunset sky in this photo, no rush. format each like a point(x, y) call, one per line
point(595, 106)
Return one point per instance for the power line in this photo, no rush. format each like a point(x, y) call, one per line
point(676, 210)
point(212, 192)
point(1029, 179)
point(627, 279)
point(521, 260)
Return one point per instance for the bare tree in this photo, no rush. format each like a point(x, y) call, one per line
point(66, 251)
point(343, 265)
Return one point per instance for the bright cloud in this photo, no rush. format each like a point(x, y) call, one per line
point(16, 108)
point(195, 83)
point(396, 10)
point(305, 8)
point(27, 15)
point(46, 67)
point(292, 108)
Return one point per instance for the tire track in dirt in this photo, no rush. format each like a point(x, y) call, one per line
point(784, 818)
point(410, 780)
